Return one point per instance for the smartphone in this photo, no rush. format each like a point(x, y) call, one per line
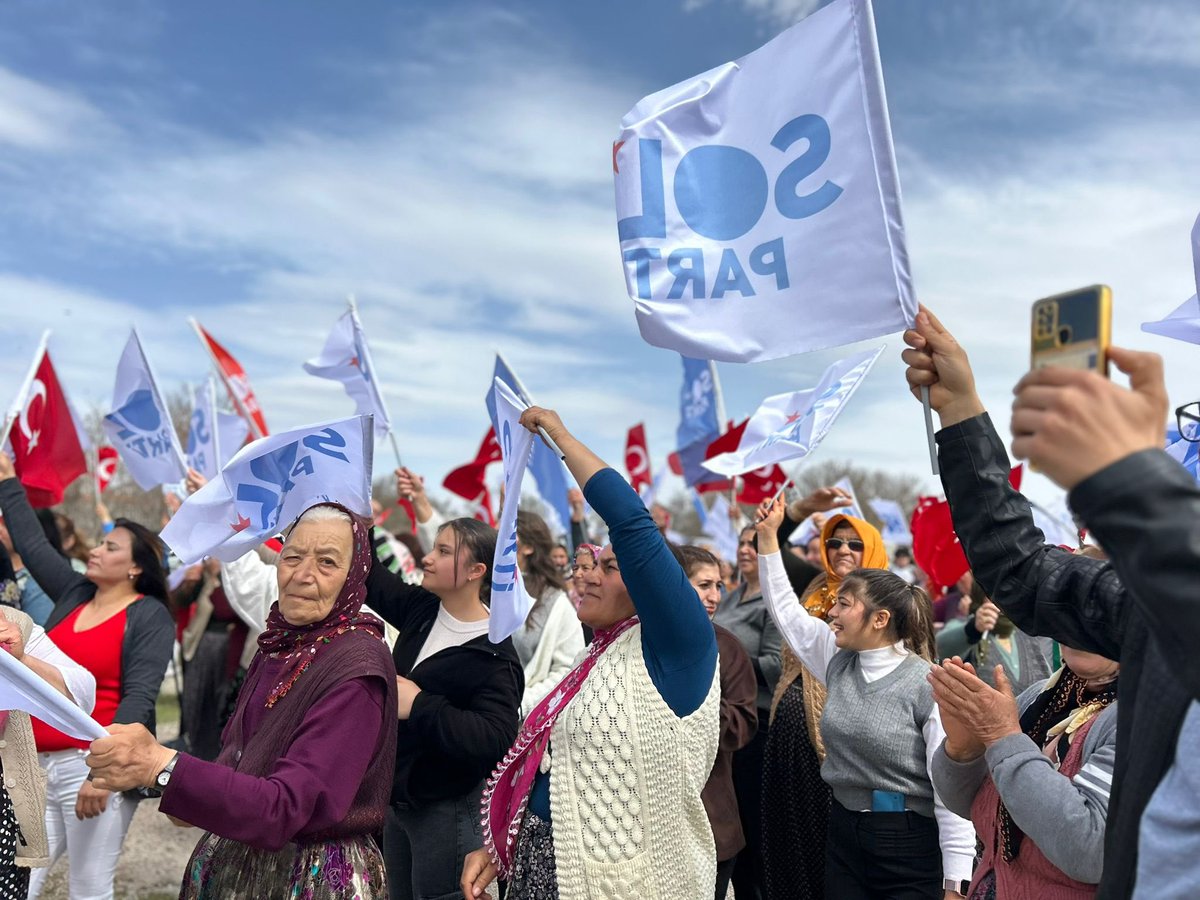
point(1073, 329)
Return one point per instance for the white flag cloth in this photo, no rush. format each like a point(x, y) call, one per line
point(853, 508)
point(140, 424)
point(269, 483)
point(791, 426)
point(21, 689)
point(213, 436)
point(895, 526)
point(346, 358)
point(758, 203)
point(510, 601)
point(719, 527)
point(1183, 323)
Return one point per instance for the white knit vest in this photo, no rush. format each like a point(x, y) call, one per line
point(625, 781)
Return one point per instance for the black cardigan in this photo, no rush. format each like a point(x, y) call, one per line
point(149, 630)
point(1139, 609)
point(468, 712)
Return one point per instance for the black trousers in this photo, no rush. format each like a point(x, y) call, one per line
point(882, 856)
point(747, 785)
point(724, 871)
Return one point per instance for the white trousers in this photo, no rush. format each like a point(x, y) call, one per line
point(93, 846)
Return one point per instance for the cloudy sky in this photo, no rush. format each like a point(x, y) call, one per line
point(450, 165)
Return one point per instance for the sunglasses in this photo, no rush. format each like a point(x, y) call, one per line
point(837, 543)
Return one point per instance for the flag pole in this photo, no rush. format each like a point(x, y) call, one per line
point(352, 305)
point(520, 387)
point(933, 459)
point(18, 405)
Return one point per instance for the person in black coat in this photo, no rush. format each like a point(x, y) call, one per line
point(459, 706)
point(1103, 444)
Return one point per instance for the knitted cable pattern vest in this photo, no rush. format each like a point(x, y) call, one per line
point(625, 781)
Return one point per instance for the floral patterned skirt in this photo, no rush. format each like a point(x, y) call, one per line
point(346, 869)
point(535, 875)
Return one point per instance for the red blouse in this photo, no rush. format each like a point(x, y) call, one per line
point(98, 650)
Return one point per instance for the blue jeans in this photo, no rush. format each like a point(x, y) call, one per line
point(424, 846)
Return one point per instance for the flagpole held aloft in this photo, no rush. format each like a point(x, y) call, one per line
point(14, 411)
point(933, 460)
point(395, 448)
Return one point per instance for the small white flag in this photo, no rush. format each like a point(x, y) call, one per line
point(758, 203)
point(347, 358)
point(213, 436)
point(791, 426)
point(140, 424)
point(1183, 323)
point(269, 483)
point(510, 601)
point(895, 526)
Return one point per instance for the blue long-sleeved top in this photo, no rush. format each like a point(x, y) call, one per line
point(678, 641)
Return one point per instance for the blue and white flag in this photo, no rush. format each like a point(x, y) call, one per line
point(853, 508)
point(510, 601)
point(699, 419)
point(1183, 323)
point(545, 466)
point(213, 436)
point(716, 525)
point(791, 426)
point(140, 424)
point(758, 203)
point(895, 525)
point(269, 483)
point(347, 358)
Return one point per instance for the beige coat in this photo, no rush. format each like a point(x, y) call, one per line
point(24, 778)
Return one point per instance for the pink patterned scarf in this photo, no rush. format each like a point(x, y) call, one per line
point(507, 793)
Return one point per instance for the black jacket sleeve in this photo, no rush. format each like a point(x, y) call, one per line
point(480, 733)
point(1146, 508)
point(1044, 589)
point(49, 568)
point(145, 651)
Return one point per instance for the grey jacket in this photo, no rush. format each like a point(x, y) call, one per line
point(1063, 816)
point(149, 630)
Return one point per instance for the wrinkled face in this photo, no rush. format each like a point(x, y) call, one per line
point(313, 568)
point(584, 563)
point(853, 625)
point(604, 601)
point(1089, 666)
point(706, 579)
point(747, 555)
point(842, 559)
point(559, 557)
point(111, 562)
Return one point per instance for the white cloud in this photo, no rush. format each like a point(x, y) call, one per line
point(781, 13)
point(37, 117)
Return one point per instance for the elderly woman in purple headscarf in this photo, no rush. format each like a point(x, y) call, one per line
point(305, 769)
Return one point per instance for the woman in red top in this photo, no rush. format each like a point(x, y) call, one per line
point(111, 620)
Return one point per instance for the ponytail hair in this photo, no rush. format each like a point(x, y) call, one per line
point(909, 608)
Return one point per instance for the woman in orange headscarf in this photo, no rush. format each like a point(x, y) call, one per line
point(795, 799)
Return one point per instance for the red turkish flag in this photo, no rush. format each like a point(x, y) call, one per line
point(468, 481)
point(637, 458)
point(46, 450)
point(936, 549)
point(762, 484)
point(106, 466)
point(236, 382)
point(726, 443)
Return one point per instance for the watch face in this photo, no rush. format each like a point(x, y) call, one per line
point(163, 778)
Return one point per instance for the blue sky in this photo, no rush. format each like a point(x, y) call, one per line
point(450, 165)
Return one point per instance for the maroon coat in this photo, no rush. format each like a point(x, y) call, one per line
point(739, 723)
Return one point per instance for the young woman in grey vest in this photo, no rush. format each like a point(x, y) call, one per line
point(889, 833)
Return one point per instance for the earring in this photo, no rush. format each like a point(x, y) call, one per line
point(132, 577)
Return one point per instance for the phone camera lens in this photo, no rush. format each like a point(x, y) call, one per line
point(1064, 334)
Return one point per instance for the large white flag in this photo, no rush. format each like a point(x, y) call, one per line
point(758, 204)
point(269, 483)
point(346, 358)
point(140, 424)
point(1183, 322)
point(790, 426)
point(213, 436)
point(510, 601)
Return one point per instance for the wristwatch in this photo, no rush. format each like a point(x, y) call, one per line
point(164, 777)
point(949, 884)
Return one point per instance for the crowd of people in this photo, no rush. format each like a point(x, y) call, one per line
point(803, 721)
